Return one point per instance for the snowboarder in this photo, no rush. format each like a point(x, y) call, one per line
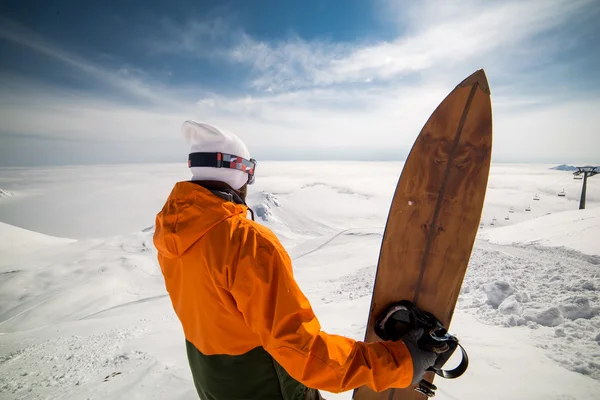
point(250, 331)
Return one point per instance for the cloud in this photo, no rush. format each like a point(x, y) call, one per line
point(439, 36)
point(293, 63)
point(301, 93)
point(564, 131)
point(198, 38)
point(328, 116)
point(124, 80)
point(60, 113)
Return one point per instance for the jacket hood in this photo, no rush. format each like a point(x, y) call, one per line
point(188, 214)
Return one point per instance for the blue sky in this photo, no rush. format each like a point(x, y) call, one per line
point(113, 81)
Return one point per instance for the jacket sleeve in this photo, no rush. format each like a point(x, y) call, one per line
point(274, 307)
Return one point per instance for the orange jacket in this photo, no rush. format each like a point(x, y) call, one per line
point(231, 284)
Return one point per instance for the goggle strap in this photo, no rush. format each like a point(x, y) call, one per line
point(221, 160)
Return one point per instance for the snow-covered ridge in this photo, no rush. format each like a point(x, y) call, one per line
point(564, 167)
point(577, 229)
point(16, 240)
point(57, 280)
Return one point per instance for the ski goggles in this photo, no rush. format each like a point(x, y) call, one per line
point(224, 160)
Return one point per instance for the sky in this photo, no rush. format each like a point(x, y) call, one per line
point(113, 81)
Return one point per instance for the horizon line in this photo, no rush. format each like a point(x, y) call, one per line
point(299, 160)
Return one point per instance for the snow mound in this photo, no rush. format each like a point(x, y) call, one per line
point(267, 202)
point(497, 292)
point(290, 223)
point(549, 317)
point(553, 291)
point(577, 307)
point(578, 230)
point(510, 306)
point(5, 193)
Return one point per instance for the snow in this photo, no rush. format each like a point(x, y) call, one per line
point(13, 239)
point(497, 292)
point(576, 229)
point(553, 287)
point(510, 306)
point(550, 317)
point(89, 317)
point(576, 307)
point(5, 193)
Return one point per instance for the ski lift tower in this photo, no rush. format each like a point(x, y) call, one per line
point(587, 172)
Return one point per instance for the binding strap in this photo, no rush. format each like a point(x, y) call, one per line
point(456, 372)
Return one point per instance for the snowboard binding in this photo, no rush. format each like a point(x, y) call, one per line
point(406, 317)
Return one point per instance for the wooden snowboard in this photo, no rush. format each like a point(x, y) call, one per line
point(435, 213)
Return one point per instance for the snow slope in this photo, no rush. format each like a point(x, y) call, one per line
point(13, 239)
point(90, 318)
point(119, 338)
point(76, 280)
point(576, 229)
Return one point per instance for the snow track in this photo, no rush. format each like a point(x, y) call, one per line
point(129, 304)
point(348, 232)
point(99, 358)
point(63, 366)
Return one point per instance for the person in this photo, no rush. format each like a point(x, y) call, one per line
point(250, 332)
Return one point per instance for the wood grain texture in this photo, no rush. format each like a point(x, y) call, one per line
point(435, 213)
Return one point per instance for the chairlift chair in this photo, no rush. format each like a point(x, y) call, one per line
point(562, 194)
point(536, 197)
point(511, 210)
point(507, 217)
point(528, 208)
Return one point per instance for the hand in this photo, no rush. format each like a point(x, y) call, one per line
point(421, 359)
point(395, 324)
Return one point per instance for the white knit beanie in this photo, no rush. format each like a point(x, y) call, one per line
point(205, 138)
